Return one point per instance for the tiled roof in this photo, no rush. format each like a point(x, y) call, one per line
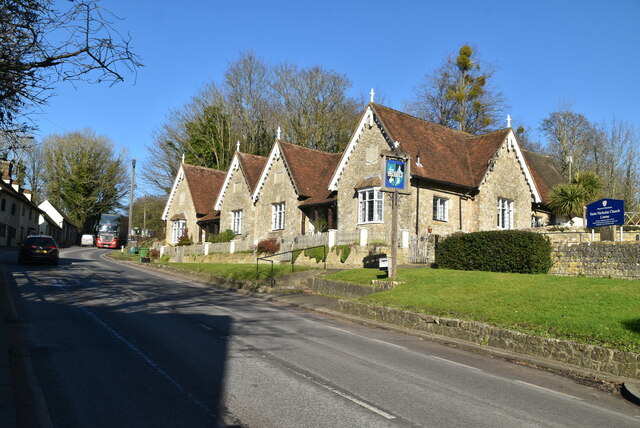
point(311, 171)
point(446, 155)
point(252, 167)
point(212, 215)
point(204, 185)
point(544, 173)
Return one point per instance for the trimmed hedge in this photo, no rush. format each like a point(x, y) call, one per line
point(514, 251)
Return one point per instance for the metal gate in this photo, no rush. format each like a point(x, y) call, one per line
point(419, 249)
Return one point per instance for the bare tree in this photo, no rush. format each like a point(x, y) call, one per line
point(41, 45)
point(571, 138)
point(316, 112)
point(250, 104)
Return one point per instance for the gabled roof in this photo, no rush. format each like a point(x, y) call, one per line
point(204, 185)
point(445, 155)
point(251, 166)
point(311, 169)
point(544, 172)
point(308, 169)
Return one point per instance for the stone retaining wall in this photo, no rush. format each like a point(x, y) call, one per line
point(618, 363)
point(600, 259)
point(341, 289)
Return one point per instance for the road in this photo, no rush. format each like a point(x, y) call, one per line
point(102, 344)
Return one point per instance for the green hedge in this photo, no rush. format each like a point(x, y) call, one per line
point(496, 251)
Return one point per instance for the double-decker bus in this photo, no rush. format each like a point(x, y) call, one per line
point(111, 231)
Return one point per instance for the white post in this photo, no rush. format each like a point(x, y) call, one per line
point(161, 251)
point(621, 230)
point(207, 245)
point(593, 235)
point(364, 236)
point(332, 238)
point(232, 246)
point(405, 239)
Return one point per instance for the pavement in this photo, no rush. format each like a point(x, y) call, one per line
point(630, 389)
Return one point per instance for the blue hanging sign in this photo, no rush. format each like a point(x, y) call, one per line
point(395, 173)
point(605, 212)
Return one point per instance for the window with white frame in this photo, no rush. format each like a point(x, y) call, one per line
point(370, 206)
point(236, 221)
point(505, 214)
point(277, 216)
point(178, 229)
point(440, 209)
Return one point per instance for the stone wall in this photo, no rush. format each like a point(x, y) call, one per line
point(505, 180)
point(277, 188)
point(237, 197)
point(600, 259)
point(618, 363)
point(183, 204)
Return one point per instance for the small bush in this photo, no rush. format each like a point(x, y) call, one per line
point(319, 254)
point(164, 259)
point(514, 251)
point(268, 246)
point(343, 251)
point(154, 254)
point(225, 236)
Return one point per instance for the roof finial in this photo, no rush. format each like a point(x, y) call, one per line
point(278, 132)
point(372, 94)
point(508, 121)
point(183, 158)
point(238, 146)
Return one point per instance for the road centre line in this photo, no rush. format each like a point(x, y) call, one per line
point(549, 390)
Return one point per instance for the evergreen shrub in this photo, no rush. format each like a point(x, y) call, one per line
point(226, 236)
point(516, 251)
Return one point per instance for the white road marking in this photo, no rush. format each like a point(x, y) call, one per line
point(345, 395)
point(549, 390)
point(365, 337)
point(455, 363)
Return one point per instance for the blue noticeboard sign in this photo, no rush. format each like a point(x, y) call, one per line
point(394, 177)
point(605, 212)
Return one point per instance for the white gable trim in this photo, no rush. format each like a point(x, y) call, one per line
point(172, 194)
point(367, 120)
point(511, 143)
point(235, 165)
point(276, 153)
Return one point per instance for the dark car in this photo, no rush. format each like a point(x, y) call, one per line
point(39, 248)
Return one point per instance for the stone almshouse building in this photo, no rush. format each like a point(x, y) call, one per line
point(459, 182)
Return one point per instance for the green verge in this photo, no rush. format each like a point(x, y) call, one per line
point(597, 311)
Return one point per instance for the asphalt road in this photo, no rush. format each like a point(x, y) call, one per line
point(100, 344)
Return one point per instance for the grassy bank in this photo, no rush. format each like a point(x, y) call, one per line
point(597, 311)
point(240, 271)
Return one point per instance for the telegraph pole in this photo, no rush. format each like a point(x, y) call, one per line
point(133, 180)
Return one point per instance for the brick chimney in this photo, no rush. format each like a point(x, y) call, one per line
point(6, 167)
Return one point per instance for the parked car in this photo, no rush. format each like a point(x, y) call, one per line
point(39, 248)
point(86, 241)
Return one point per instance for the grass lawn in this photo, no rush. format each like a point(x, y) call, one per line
point(597, 311)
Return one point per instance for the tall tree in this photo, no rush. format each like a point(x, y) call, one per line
point(459, 95)
point(316, 112)
point(147, 214)
point(41, 44)
point(85, 177)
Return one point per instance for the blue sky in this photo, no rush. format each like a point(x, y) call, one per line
point(545, 53)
